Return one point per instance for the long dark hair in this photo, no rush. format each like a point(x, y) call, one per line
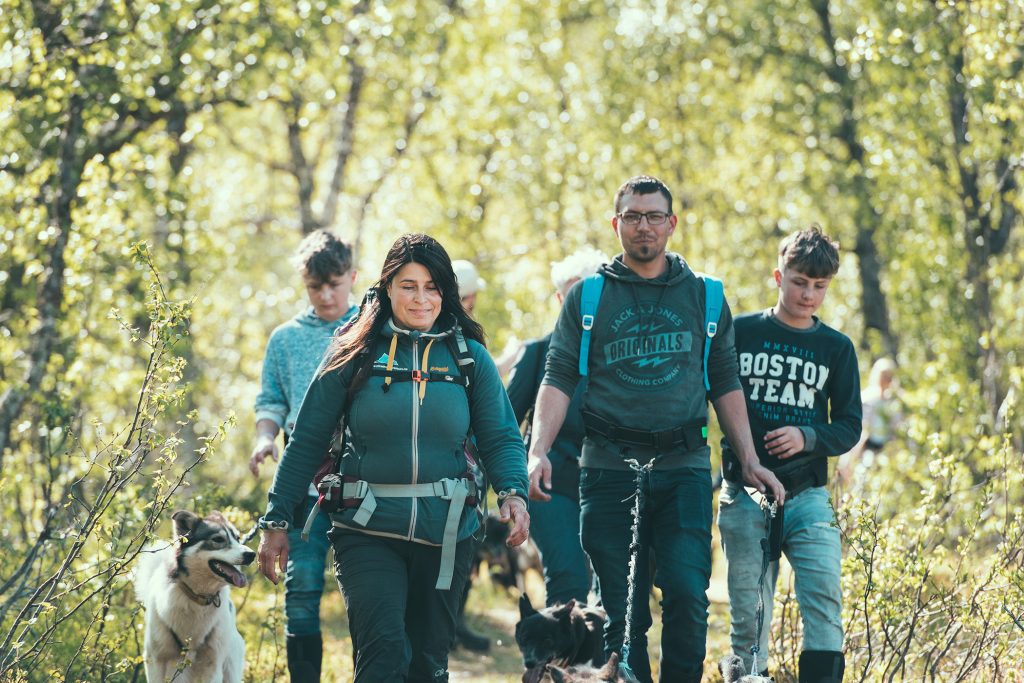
point(414, 248)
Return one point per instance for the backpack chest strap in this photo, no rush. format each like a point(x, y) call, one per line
point(420, 376)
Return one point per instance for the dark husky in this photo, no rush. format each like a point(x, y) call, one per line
point(582, 673)
point(564, 634)
point(506, 566)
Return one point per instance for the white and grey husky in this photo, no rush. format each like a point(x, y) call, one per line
point(190, 619)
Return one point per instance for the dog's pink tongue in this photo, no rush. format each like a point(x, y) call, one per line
point(231, 573)
point(238, 579)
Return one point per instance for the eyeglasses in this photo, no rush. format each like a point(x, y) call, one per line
point(634, 217)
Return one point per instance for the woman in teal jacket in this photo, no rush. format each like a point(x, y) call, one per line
point(402, 539)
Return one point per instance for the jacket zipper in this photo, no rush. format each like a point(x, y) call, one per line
point(415, 436)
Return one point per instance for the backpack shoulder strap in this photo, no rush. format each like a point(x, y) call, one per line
point(464, 359)
point(590, 297)
point(714, 295)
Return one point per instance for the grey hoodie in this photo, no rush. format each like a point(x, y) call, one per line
point(646, 359)
point(292, 357)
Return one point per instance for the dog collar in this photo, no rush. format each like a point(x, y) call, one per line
point(198, 598)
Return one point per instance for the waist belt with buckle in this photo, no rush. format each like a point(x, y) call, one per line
point(797, 481)
point(456, 491)
point(690, 436)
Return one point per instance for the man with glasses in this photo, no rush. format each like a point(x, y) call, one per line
point(646, 407)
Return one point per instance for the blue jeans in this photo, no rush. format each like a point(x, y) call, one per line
point(304, 576)
point(810, 541)
point(675, 525)
point(555, 528)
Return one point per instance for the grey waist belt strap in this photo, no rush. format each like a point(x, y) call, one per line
point(453, 490)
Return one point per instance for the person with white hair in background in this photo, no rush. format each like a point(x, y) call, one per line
point(470, 283)
point(556, 522)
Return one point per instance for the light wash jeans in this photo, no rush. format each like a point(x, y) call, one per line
point(304, 575)
point(810, 541)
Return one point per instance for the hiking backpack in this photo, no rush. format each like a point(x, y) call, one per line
point(329, 481)
point(590, 297)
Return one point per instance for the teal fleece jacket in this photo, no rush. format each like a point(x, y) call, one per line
point(399, 437)
point(293, 354)
point(646, 359)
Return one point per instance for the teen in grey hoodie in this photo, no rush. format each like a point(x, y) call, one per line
point(293, 354)
point(646, 385)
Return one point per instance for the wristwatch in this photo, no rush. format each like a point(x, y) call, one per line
point(511, 493)
point(270, 525)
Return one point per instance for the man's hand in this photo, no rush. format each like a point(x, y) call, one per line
point(764, 480)
point(273, 553)
point(514, 509)
point(539, 468)
point(266, 447)
point(784, 442)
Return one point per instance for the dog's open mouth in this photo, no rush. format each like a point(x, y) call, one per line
point(228, 572)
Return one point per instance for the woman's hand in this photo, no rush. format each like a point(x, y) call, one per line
point(514, 509)
point(273, 553)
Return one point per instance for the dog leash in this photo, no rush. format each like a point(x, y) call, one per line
point(770, 509)
point(248, 535)
point(634, 553)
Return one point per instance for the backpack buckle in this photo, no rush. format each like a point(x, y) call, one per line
point(448, 488)
point(588, 321)
point(355, 490)
point(712, 329)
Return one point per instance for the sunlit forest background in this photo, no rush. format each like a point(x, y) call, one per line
point(160, 161)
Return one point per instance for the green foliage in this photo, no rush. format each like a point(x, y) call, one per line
point(158, 163)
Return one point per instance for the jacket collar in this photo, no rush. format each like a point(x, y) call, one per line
point(444, 327)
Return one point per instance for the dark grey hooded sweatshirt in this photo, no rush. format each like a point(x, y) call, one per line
point(646, 360)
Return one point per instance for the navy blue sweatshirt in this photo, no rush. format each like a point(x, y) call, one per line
point(806, 378)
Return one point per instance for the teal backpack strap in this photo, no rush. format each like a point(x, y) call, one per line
point(589, 299)
point(714, 295)
point(463, 356)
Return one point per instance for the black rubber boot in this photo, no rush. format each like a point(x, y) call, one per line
point(304, 656)
point(821, 666)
